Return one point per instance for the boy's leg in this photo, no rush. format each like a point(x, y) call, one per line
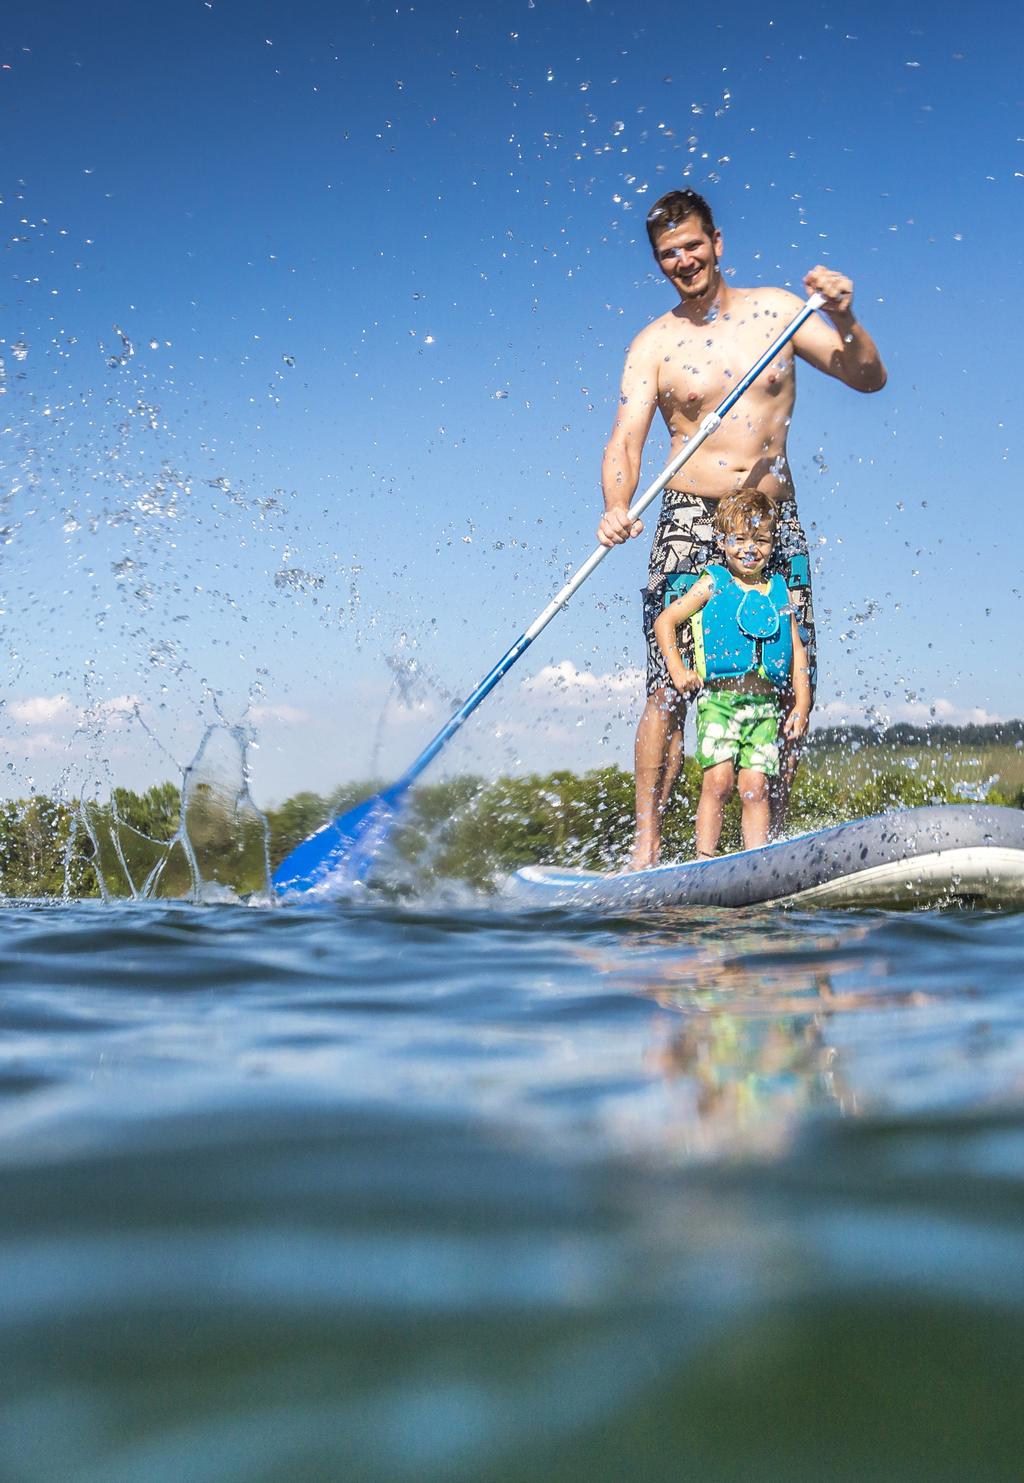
point(715, 793)
point(717, 739)
point(658, 758)
point(753, 790)
point(757, 758)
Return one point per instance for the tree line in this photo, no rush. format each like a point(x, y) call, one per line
point(465, 828)
point(909, 734)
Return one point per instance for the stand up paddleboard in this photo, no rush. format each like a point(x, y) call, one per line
point(953, 853)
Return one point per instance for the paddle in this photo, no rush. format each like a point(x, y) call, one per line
point(351, 840)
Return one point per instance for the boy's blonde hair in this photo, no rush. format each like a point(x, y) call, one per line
point(749, 509)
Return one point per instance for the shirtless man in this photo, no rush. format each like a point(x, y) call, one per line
point(684, 365)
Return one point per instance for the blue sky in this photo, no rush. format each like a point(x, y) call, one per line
point(313, 317)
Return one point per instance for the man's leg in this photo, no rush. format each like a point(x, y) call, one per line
point(658, 758)
point(782, 785)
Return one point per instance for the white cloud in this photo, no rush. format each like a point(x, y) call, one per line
point(41, 710)
point(42, 744)
point(381, 703)
point(566, 685)
point(288, 715)
point(114, 712)
point(48, 710)
point(560, 715)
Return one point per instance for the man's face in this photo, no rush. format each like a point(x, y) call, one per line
point(688, 257)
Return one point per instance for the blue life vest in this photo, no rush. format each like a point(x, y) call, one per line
point(740, 631)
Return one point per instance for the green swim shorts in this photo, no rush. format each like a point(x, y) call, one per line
point(736, 728)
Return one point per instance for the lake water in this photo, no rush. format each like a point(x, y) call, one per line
point(453, 1192)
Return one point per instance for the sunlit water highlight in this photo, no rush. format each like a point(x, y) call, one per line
point(450, 1192)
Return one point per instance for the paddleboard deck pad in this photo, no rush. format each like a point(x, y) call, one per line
point(945, 854)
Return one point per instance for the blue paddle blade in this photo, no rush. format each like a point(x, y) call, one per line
point(343, 848)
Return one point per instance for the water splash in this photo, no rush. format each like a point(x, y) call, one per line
point(203, 839)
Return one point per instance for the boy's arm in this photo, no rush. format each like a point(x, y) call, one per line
point(668, 621)
point(796, 721)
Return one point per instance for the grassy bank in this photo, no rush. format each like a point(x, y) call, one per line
point(975, 761)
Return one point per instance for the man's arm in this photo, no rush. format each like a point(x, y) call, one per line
point(845, 351)
point(620, 469)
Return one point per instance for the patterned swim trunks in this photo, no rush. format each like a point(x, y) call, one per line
point(684, 543)
point(737, 728)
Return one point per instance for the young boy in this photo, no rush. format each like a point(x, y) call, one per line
point(747, 658)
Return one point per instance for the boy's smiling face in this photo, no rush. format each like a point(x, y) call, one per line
point(747, 551)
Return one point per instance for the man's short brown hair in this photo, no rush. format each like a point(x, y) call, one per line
point(673, 209)
point(748, 509)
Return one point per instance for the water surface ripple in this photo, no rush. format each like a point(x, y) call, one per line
point(388, 1193)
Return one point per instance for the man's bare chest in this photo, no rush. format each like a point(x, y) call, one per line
point(698, 368)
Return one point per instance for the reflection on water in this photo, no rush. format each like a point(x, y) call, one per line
point(381, 1194)
point(755, 1034)
point(744, 1042)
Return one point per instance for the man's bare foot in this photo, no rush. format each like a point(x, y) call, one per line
point(646, 853)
